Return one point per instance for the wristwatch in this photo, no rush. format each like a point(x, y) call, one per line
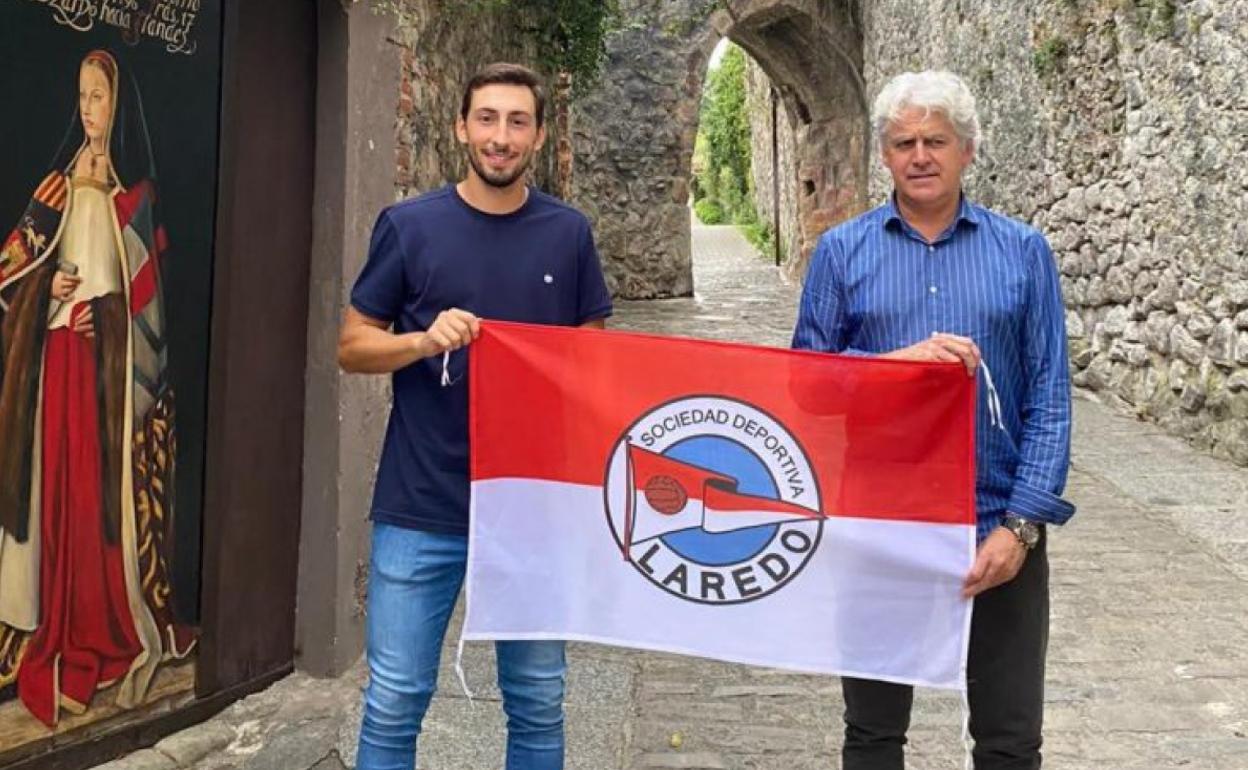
point(1027, 532)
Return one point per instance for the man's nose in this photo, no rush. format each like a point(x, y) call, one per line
point(501, 134)
point(921, 154)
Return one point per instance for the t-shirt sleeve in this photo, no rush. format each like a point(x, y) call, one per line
point(382, 286)
point(594, 301)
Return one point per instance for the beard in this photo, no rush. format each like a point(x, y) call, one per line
point(499, 178)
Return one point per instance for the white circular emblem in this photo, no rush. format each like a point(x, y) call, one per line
point(713, 500)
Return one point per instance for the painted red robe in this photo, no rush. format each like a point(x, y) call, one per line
point(86, 466)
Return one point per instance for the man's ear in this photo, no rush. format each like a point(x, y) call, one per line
point(461, 129)
point(541, 138)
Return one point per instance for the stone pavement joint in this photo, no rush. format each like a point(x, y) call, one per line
point(1148, 665)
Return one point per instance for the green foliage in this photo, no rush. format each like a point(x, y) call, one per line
point(759, 234)
point(755, 229)
point(1050, 55)
point(571, 35)
point(725, 127)
point(696, 190)
point(733, 195)
point(651, 16)
point(700, 183)
point(709, 212)
point(721, 157)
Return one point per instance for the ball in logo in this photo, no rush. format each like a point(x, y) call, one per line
point(666, 495)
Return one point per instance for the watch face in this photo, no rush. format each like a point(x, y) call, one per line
point(1028, 533)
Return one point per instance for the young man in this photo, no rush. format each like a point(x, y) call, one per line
point(488, 247)
point(930, 276)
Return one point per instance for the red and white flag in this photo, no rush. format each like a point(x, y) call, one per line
point(764, 506)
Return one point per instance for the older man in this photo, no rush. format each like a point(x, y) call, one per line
point(930, 276)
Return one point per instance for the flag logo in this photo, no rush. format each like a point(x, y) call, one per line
point(713, 500)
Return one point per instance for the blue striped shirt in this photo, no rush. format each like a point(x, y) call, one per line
point(876, 285)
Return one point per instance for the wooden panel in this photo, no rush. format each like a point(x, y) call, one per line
point(255, 389)
point(170, 690)
point(144, 729)
point(252, 478)
point(120, 564)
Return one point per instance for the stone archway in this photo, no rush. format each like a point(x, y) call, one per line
point(634, 134)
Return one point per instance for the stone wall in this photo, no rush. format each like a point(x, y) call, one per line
point(764, 169)
point(633, 146)
point(1116, 127)
point(812, 52)
point(634, 133)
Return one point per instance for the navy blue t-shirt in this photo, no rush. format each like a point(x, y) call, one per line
point(535, 265)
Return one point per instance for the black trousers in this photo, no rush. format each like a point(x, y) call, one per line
point(1005, 683)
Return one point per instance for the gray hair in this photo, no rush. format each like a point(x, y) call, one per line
point(932, 91)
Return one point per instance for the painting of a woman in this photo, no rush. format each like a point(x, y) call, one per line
point(86, 417)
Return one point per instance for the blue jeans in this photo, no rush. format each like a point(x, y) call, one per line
point(414, 580)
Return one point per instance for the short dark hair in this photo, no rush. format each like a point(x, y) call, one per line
point(506, 74)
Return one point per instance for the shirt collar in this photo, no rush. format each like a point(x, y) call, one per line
point(966, 213)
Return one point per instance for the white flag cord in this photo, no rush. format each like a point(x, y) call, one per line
point(968, 763)
point(994, 400)
point(967, 744)
point(459, 669)
point(459, 648)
